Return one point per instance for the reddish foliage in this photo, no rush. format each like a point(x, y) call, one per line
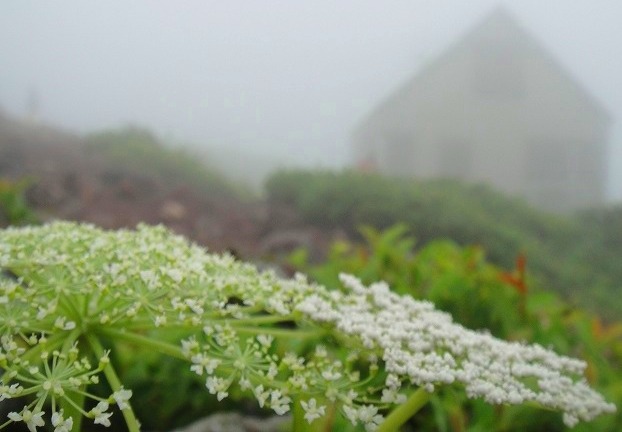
point(516, 278)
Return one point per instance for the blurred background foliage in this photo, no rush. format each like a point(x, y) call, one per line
point(575, 255)
point(14, 209)
point(139, 151)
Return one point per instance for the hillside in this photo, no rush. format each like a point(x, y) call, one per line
point(121, 177)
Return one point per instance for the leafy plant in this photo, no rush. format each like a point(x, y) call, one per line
point(74, 297)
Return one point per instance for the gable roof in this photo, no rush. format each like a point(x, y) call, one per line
point(499, 23)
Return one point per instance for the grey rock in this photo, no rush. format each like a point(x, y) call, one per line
point(235, 422)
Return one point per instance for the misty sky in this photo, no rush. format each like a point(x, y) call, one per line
point(287, 79)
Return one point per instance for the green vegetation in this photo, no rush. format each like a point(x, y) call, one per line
point(480, 295)
point(602, 249)
point(13, 207)
point(566, 254)
point(140, 152)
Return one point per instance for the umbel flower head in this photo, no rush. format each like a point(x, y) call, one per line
point(65, 287)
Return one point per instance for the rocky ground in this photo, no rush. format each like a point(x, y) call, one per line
point(67, 182)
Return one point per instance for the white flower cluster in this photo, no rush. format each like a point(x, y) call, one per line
point(423, 346)
point(64, 282)
point(63, 374)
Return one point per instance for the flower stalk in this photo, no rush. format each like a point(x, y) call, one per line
point(115, 383)
point(400, 414)
point(144, 342)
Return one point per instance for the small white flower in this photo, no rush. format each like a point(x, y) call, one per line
point(53, 385)
point(261, 395)
point(279, 402)
point(312, 410)
point(329, 375)
point(194, 305)
point(60, 423)
point(32, 420)
point(368, 415)
point(351, 414)
point(245, 384)
point(265, 340)
point(202, 362)
point(121, 397)
point(272, 371)
point(175, 274)
point(188, 346)
point(217, 386)
point(104, 360)
point(42, 313)
point(299, 382)
point(150, 278)
point(100, 414)
point(7, 392)
point(62, 323)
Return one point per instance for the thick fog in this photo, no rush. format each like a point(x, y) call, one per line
point(286, 80)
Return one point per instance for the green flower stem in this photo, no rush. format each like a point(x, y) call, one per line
point(145, 324)
point(161, 347)
point(402, 413)
point(175, 351)
point(299, 424)
point(71, 308)
point(70, 339)
point(278, 332)
point(262, 319)
point(73, 402)
point(73, 406)
point(130, 419)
